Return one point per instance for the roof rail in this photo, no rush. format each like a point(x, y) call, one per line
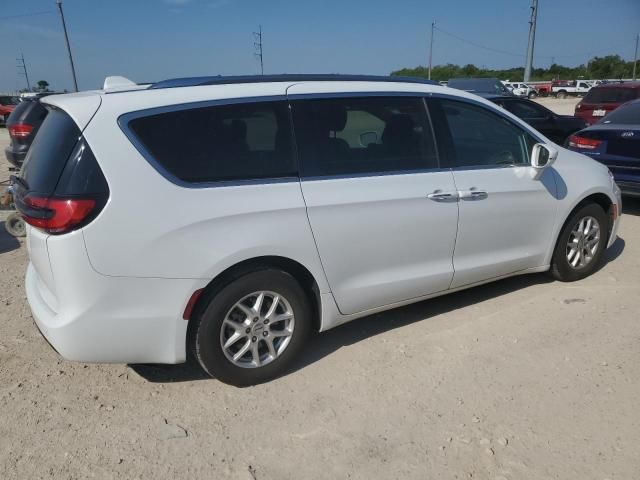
point(309, 77)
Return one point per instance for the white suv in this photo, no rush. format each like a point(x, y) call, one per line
point(231, 217)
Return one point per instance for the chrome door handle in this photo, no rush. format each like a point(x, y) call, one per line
point(473, 194)
point(443, 196)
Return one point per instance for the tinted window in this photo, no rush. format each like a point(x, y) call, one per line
point(363, 135)
point(480, 137)
point(217, 143)
point(611, 95)
point(625, 115)
point(5, 100)
point(525, 109)
point(49, 152)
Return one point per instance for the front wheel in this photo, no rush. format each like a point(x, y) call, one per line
point(252, 329)
point(581, 244)
point(14, 224)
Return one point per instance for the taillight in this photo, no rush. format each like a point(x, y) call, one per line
point(55, 215)
point(583, 143)
point(20, 130)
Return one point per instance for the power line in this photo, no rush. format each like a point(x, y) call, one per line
point(46, 12)
point(528, 66)
point(475, 44)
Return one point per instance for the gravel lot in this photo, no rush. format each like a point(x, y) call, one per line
point(522, 379)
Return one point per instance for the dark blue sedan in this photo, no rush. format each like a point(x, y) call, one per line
point(615, 141)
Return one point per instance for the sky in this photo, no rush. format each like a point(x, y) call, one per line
point(150, 40)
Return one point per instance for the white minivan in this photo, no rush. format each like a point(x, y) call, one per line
point(230, 217)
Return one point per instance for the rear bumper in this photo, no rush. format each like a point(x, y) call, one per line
point(631, 189)
point(15, 158)
point(94, 318)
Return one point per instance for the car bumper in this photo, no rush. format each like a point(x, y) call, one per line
point(14, 158)
point(94, 318)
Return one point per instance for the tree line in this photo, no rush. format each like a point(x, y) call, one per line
point(610, 66)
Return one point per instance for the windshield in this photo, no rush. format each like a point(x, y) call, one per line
point(624, 115)
point(6, 100)
point(611, 95)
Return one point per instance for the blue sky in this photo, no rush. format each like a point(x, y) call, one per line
point(156, 39)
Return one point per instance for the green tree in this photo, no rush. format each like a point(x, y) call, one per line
point(43, 85)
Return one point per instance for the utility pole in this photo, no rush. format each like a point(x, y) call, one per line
point(23, 67)
point(532, 39)
point(66, 38)
point(433, 26)
point(257, 43)
point(635, 57)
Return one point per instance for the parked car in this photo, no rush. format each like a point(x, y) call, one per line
point(230, 217)
point(23, 124)
point(7, 104)
point(520, 89)
point(615, 141)
point(553, 126)
point(480, 85)
point(574, 88)
point(605, 98)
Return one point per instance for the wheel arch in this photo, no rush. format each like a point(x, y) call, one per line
point(599, 198)
point(294, 268)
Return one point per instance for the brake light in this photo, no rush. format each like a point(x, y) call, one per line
point(55, 215)
point(20, 130)
point(583, 143)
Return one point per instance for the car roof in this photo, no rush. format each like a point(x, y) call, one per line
point(313, 77)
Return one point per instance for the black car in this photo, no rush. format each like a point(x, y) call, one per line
point(551, 125)
point(615, 141)
point(480, 86)
point(23, 124)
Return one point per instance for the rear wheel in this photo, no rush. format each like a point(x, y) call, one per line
point(252, 329)
point(15, 225)
point(581, 244)
point(532, 95)
point(561, 94)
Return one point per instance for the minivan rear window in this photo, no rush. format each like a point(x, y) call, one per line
point(611, 95)
point(219, 143)
point(49, 152)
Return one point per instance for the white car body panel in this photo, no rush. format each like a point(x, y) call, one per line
point(115, 290)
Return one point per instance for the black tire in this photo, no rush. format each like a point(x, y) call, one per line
point(561, 94)
point(14, 224)
point(560, 266)
point(532, 95)
point(207, 345)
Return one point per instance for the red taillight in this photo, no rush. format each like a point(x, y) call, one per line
point(56, 215)
point(20, 130)
point(577, 141)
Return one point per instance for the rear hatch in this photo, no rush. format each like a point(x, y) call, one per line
point(60, 189)
point(602, 100)
point(23, 125)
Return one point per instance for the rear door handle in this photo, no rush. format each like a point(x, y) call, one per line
point(473, 194)
point(443, 196)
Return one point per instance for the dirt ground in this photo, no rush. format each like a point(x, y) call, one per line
point(522, 379)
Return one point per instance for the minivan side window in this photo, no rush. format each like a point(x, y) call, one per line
point(220, 143)
point(480, 137)
point(360, 136)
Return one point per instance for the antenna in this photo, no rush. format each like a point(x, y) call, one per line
point(257, 44)
point(433, 25)
point(23, 66)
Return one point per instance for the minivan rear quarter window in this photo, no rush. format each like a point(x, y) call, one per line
point(361, 136)
point(219, 143)
point(49, 152)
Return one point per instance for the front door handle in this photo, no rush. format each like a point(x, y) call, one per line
point(473, 194)
point(439, 196)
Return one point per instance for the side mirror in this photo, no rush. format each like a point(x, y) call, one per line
point(542, 156)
